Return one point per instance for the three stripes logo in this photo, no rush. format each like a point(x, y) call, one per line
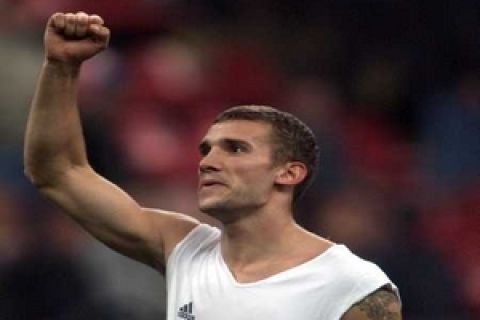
point(186, 312)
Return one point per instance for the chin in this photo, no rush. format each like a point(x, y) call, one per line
point(218, 209)
point(226, 211)
point(212, 207)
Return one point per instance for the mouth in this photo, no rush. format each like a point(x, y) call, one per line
point(208, 183)
point(211, 184)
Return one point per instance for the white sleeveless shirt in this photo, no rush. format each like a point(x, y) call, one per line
point(201, 287)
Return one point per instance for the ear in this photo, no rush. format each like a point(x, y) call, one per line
point(291, 174)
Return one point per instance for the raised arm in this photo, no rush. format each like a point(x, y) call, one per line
point(55, 157)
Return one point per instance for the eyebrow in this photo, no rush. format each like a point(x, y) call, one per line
point(232, 140)
point(225, 141)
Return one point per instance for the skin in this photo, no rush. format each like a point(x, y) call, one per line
point(252, 199)
point(238, 182)
point(56, 162)
point(382, 304)
point(237, 155)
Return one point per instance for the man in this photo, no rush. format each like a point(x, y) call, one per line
point(255, 162)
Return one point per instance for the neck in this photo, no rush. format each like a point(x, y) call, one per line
point(259, 235)
point(266, 242)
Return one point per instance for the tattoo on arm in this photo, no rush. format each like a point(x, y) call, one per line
point(383, 304)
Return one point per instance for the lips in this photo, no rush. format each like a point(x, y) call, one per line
point(208, 182)
point(211, 183)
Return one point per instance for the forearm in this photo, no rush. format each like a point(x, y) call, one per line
point(54, 140)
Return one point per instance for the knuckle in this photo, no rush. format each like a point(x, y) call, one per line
point(58, 18)
point(97, 18)
point(70, 18)
point(82, 16)
point(57, 15)
point(82, 20)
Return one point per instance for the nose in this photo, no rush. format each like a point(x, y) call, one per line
point(210, 162)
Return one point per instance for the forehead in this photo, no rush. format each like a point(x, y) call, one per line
point(246, 130)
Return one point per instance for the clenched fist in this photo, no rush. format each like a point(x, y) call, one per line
point(73, 38)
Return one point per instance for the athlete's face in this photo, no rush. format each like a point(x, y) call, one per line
point(236, 172)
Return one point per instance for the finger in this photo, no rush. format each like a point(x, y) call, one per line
point(81, 24)
point(58, 21)
point(70, 22)
point(100, 33)
point(95, 19)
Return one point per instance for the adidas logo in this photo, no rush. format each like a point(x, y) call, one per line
point(186, 311)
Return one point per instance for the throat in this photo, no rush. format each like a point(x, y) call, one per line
point(268, 268)
point(256, 272)
point(255, 260)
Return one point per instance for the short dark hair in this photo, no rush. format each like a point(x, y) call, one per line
point(292, 139)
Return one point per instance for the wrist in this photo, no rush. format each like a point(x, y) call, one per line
point(65, 68)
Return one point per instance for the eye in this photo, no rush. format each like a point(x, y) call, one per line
point(204, 149)
point(236, 147)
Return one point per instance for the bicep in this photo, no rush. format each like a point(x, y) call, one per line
point(113, 217)
point(382, 304)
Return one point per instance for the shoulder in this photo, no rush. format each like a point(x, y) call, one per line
point(187, 236)
point(355, 279)
point(351, 267)
point(382, 304)
point(170, 223)
point(199, 246)
point(169, 227)
point(171, 217)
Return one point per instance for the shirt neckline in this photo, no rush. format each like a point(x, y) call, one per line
point(284, 273)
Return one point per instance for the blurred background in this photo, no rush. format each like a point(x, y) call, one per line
point(391, 89)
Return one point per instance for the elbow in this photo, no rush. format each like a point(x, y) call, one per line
point(29, 173)
point(35, 178)
point(42, 173)
point(48, 177)
point(42, 176)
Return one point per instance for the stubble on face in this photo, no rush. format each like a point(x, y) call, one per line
point(245, 175)
point(229, 202)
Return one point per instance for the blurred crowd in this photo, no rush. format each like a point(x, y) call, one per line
point(391, 89)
